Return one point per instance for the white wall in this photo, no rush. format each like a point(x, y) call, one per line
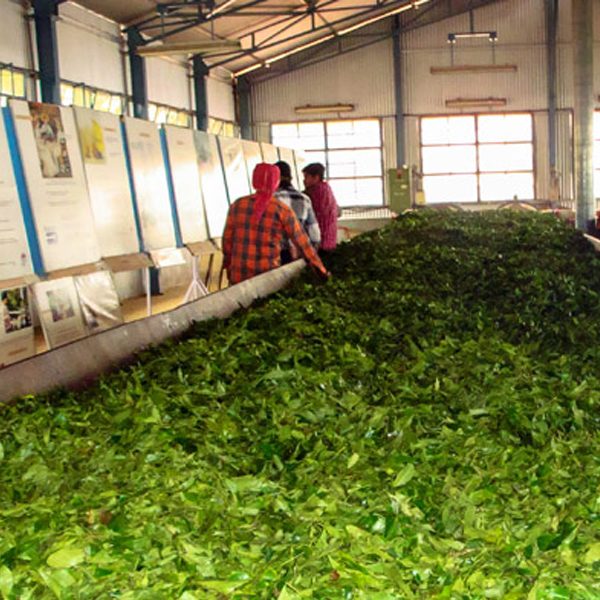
point(219, 90)
point(168, 82)
point(89, 49)
point(13, 34)
point(365, 78)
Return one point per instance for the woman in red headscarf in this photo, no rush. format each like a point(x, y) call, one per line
point(257, 224)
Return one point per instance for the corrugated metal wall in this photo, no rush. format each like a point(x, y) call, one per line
point(361, 77)
point(365, 78)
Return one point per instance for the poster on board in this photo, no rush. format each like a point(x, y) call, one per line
point(56, 184)
point(59, 311)
point(212, 181)
point(269, 153)
point(253, 156)
point(287, 155)
point(150, 183)
point(16, 328)
point(186, 184)
point(15, 259)
point(234, 166)
point(108, 184)
point(99, 301)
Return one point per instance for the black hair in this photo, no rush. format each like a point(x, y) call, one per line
point(315, 169)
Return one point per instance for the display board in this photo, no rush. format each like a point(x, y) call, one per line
point(15, 259)
point(269, 153)
point(301, 162)
point(108, 184)
point(234, 165)
point(150, 186)
point(99, 301)
point(16, 329)
point(212, 182)
point(253, 157)
point(288, 156)
point(186, 184)
point(59, 311)
point(56, 184)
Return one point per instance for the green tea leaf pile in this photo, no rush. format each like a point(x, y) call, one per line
point(424, 425)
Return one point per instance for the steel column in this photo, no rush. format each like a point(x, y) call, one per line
point(200, 71)
point(244, 107)
point(397, 43)
point(583, 75)
point(45, 13)
point(551, 8)
point(137, 67)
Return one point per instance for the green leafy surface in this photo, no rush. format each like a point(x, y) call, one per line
point(424, 425)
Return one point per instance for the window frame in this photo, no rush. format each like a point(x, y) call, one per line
point(327, 149)
point(89, 94)
point(24, 73)
point(477, 144)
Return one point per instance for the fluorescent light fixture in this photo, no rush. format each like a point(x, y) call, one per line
point(491, 36)
point(197, 47)
point(310, 109)
point(248, 70)
point(473, 102)
point(306, 46)
point(220, 8)
point(389, 13)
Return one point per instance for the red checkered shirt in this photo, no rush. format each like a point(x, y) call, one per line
point(251, 248)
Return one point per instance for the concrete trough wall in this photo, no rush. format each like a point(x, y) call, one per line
point(82, 361)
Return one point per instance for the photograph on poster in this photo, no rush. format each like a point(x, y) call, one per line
point(50, 140)
point(15, 310)
point(60, 305)
point(91, 137)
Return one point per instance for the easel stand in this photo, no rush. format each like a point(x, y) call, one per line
point(197, 288)
point(133, 262)
point(166, 257)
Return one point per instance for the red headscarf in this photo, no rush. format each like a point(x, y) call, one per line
point(265, 180)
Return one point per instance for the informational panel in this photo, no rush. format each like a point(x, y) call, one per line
point(234, 166)
point(56, 184)
point(269, 153)
point(16, 329)
point(186, 184)
point(253, 156)
point(212, 181)
point(108, 184)
point(301, 162)
point(99, 301)
point(60, 314)
point(288, 156)
point(15, 260)
point(150, 184)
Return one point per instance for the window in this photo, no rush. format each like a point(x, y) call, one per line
point(350, 150)
point(223, 128)
point(12, 84)
point(471, 158)
point(79, 94)
point(160, 113)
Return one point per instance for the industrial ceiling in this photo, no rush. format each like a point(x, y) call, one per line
point(268, 30)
